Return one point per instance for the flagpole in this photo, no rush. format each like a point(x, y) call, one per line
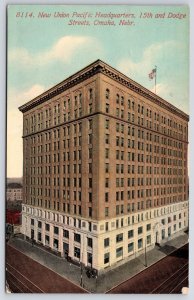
point(155, 78)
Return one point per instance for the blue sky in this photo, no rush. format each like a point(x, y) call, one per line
point(43, 52)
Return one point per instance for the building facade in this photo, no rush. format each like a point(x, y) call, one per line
point(105, 168)
point(14, 191)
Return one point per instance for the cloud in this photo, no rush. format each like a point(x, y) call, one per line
point(149, 58)
point(63, 50)
point(17, 98)
point(172, 71)
point(15, 125)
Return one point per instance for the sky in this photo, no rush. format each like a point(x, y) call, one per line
point(42, 52)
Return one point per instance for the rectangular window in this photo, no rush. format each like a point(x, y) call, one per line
point(90, 242)
point(119, 252)
point(107, 124)
point(140, 230)
point(56, 230)
point(106, 197)
point(130, 247)
point(90, 197)
point(55, 244)
point(76, 252)
point(90, 182)
point(119, 237)
point(77, 238)
point(106, 153)
point(148, 227)
point(107, 138)
point(148, 239)
point(163, 234)
point(106, 212)
point(47, 227)
point(106, 242)
point(90, 211)
point(130, 234)
point(106, 258)
point(140, 243)
point(66, 234)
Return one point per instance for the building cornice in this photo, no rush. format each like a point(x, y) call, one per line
point(103, 68)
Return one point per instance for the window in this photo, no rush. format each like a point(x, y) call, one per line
point(119, 237)
point(163, 234)
point(90, 197)
point(148, 239)
point(107, 182)
point(90, 242)
point(106, 242)
point(106, 168)
point(122, 100)
point(47, 227)
point(76, 252)
point(106, 226)
point(90, 182)
point(130, 234)
point(106, 212)
point(39, 236)
point(47, 240)
point(106, 197)
point(140, 230)
point(148, 227)
point(130, 247)
point(55, 243)
point(140, 243)
point(90, 94)
point(32, 222)
point(89, 258)
point(119, 252)
point(66, 234)
point(77, 237)
point(106, 153)
point(39, 224)
point(107, 94)
point(56, 230)
point(117, 98)
point(107, 138)
point(90, 211)
point(169, 231)
point(106, 258)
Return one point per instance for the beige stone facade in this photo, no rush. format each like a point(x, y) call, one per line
point(103, 156)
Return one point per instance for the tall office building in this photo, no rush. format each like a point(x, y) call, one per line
point(105, 168)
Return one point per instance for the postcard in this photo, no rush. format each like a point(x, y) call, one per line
point(97, 192)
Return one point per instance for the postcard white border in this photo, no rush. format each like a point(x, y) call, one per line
point(3, 4)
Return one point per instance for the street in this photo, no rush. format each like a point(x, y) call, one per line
point(167, 276)
point(24, 275)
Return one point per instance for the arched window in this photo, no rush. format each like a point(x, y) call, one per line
point(107, 95)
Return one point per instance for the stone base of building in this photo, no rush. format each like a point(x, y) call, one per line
point(107, 243)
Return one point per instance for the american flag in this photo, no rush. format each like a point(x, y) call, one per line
point(152, 75)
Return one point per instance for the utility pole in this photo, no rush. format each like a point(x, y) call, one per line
point(81, 274)
point(146, 263)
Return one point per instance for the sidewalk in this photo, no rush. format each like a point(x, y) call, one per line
point(105, 281)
